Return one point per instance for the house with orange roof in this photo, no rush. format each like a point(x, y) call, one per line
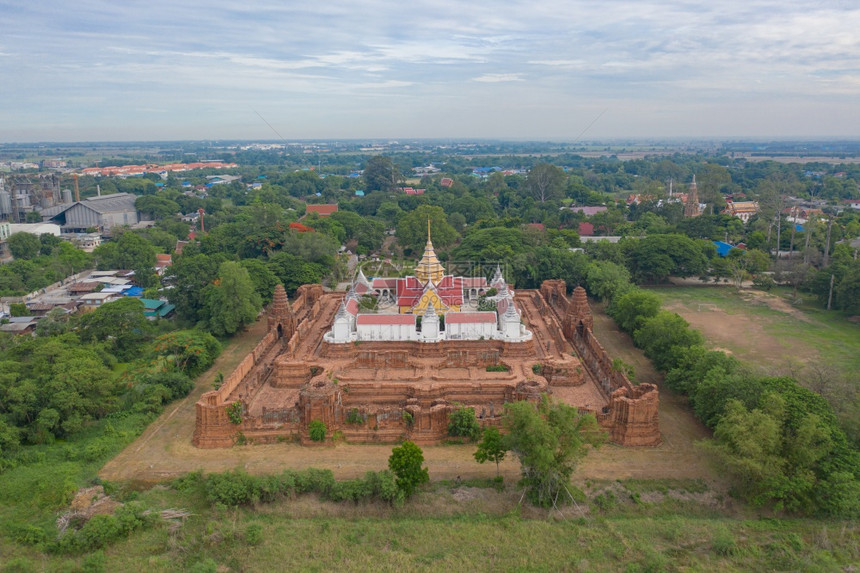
point(322, 210)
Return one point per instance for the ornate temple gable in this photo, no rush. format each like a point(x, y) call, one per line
point(431, 296)
point(361, 285)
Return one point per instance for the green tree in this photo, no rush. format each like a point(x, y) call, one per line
point(293, 272)
point(712, 179)
point(120, 324)
point(18, 309)
point(263, 278)
point(664, 336)
point(129, 251)
point(491, 448)
point(412, 228)
point(231, 302)
point(406, 463)
point(633, 308)
point(156, 206)
point(24, 246)
point(549, 438)
point(545, 181)
point(47, 242)
point(462, 423)
point(656, 257)
point(607, 280)
point(380, 174)
point(191, 275)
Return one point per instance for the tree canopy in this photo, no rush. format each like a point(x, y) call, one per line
point(549, 439)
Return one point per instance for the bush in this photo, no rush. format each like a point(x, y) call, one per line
point(315, 480)
point(103, 529)
point(231, 488)
point(234, 413)
point(463, 423)
point(353, 416)
point(405, 462)
point(317, 430)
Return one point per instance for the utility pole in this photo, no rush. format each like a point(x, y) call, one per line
point(827, 244)
point(778, 232)
point(808, 235)
point(830, 296)
point(793, 231)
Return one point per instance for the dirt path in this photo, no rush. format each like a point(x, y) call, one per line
point(164, 450)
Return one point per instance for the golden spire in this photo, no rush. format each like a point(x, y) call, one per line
point(429, 267)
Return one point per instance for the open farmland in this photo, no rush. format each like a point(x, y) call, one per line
point(768, 329)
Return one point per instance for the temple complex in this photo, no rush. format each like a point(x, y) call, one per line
point(390, 358)
point(428, 307)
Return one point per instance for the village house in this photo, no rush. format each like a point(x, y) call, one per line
point(743, 210)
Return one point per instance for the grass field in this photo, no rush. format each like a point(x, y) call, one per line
point(626, 526)
point(768, 329)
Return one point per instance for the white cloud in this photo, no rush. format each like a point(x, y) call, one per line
point(428, 60)
point(496, 78)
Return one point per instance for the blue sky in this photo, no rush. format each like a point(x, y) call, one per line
point(122, 70)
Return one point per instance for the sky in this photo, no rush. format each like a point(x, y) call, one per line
point(560, 70)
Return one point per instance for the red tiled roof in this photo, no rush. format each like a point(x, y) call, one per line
point(385, 319)
point(301, 228)
point(446, 282)
point(586, 229)
point(446, 182)
point(352, 306)
point(322, 210)
point(470, 317)
point(384, 283)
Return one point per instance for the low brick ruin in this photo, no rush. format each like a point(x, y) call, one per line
point(382, 392)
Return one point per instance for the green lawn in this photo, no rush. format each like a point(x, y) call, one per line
point(621, 533)
point(835, 339)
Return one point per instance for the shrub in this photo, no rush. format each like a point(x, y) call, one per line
point(314, 480)
point(405, 462)
point(231, 488)
point(234, 413)
point(463, 423)
point(353, 416)
point(317, 430)
point(103, 529)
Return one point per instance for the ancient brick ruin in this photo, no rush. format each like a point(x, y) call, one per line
point(384, 391)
